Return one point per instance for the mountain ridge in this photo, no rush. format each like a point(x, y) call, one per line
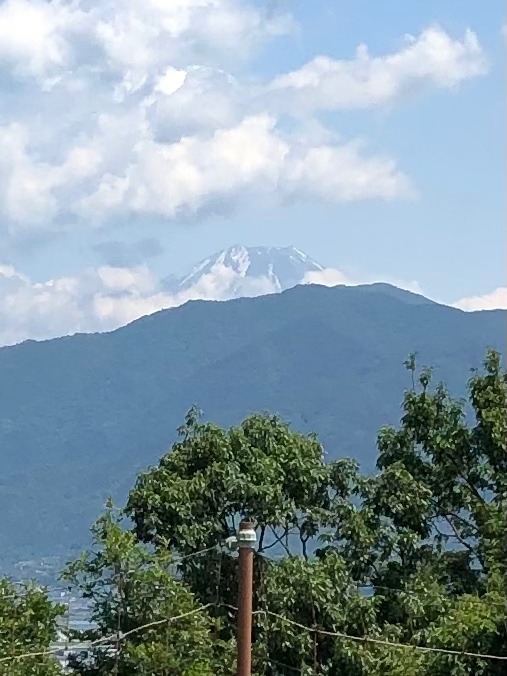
point(81, 415)
point(410, 297)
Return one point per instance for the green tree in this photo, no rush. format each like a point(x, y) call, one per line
point(212, 478)
point(131, 586)
point(352, 573)
point(28, 624)
point(442, 492)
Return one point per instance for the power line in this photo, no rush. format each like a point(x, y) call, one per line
point(377, 641)
point(108, 640)
point(116, 639)
point(119, 637)
point(156, 623)
point(296, 670)
point(111, 639)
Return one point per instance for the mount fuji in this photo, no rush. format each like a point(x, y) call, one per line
point(241, 271)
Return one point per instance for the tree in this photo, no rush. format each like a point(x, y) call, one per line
point(443, 493)
point(28, 624)
point(352, 573)
point(134, 593)
point(211, 479)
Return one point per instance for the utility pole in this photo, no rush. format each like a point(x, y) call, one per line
point(246, 541)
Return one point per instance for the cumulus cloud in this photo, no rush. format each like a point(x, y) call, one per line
point(431, 59)
point(130, 39)
point(184, 177)
point(193, 100)
point(159, 126)
point(103, 299)
point(118, 172)
point(109, 296)
point(334, 277)
point(94, 300)
point(35, 37)
point(345, 174)
point(326, 277)
point(496, 300)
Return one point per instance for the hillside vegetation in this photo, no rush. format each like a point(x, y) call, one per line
point(81, 416)
point(403, 573)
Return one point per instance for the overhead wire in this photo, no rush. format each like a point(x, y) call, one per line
point(111, 639)
point(377, 641)
point(119, 637)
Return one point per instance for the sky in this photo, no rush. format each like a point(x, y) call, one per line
point(137, 138)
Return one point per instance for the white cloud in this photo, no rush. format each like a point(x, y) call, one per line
point(111, 296)
point(327, 277)
point(28, 185)
point(342, 173)
point(136, 280)
point(185, 176)
point(130, 39)
point(431, 59)
point(102, 299)
point(168, 178)
point(72, 304)
point(496, 300)
point(30, 310)
point(172, 80)
point(35, 37)
point(193, 100)
point(334, 277)
point(102, 178)
point(25, 185)
point(124, 109)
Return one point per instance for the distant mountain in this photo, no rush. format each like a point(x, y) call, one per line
point(241, 271)
point(80, 416)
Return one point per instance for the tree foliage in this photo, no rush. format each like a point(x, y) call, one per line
point(134, 592)
point(28, 624)
point(353, 574)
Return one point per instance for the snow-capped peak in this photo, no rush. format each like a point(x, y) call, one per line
point(247, 271)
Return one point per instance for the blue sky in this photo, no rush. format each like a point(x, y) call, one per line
point(212, 123)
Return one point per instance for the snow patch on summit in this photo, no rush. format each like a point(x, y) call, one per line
point(247, 271)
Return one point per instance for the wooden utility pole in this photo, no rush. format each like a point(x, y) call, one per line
point(246, 543)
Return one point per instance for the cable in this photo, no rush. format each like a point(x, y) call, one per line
point(118, 637)
point(190, 556)
point(111, 640)
point(392, 644)
point(156, 623)
point(366, 639)
point(361, 639)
